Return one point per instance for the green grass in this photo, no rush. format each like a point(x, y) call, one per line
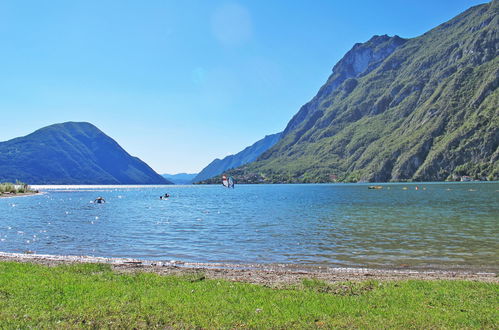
point(89, 295)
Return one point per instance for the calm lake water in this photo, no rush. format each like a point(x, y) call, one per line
point(450, 226)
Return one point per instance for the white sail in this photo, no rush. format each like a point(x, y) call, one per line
point(225, 182)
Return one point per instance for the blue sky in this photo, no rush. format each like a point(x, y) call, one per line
point(179, 83)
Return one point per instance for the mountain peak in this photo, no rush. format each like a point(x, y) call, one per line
point(72, 125)
point(364, 57)
point(358, 61)
point(72, 153)
point(69, 127)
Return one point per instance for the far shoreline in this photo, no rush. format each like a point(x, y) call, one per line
point(136, 186)
point(264, 274)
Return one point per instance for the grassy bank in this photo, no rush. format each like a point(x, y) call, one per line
point(8, 189)
point(90, 295)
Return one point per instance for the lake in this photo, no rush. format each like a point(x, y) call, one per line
point(452, 226)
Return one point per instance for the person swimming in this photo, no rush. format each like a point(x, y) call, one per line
point(99, 200)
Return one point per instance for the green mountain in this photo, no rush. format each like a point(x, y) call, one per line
point(72, 153)
point(249, 154)
point(393, 109)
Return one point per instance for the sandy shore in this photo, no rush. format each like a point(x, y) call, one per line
point(265, 274)
point(20, 194)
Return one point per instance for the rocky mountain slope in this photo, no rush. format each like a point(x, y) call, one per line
point(72, 153)
point(249, 154)
point(393, 109)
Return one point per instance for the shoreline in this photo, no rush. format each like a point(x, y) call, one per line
point(273, 275)
point(21, 194)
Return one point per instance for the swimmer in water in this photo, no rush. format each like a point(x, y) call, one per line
point(99, 200)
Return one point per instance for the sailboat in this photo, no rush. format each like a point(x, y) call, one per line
point(227, 181)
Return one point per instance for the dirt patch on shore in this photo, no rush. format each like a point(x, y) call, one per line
point(4, 195)
point(271, 275)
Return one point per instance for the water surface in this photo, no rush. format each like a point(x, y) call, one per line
point(450, 226)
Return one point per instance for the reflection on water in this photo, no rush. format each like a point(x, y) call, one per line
point(439, 225)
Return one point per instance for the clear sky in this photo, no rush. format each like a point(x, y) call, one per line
point(179, 83)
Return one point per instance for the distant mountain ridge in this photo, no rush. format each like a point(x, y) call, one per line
point(72, 153)
point(180, 178)
point(249, 154)
point(393, 109)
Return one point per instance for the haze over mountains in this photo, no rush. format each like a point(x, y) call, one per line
point(422, 109)
point(72, 153)
point(180, 178)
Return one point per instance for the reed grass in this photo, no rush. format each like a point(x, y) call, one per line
point(15, 188)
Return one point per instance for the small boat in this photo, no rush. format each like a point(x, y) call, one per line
point(375, 187)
